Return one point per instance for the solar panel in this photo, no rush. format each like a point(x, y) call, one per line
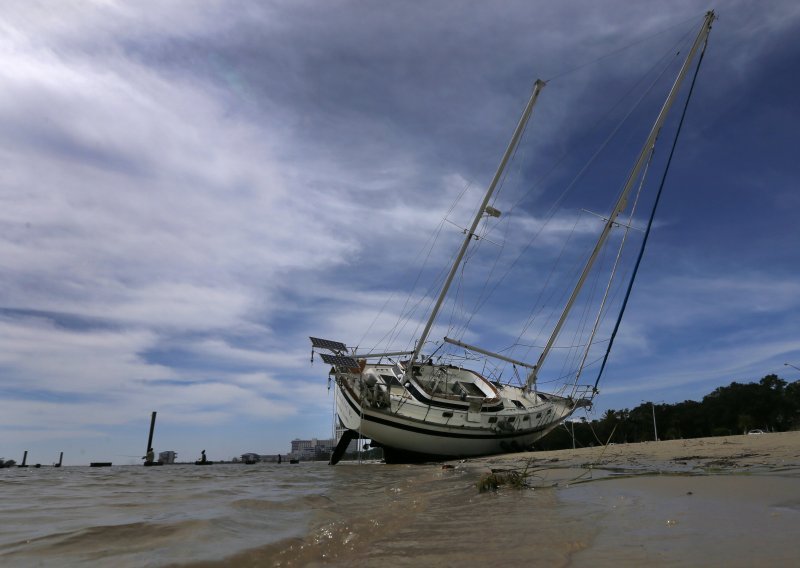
point(340, 361)
point(327, 344)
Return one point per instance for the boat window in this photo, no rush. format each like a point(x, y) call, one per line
point(492, 419)
point(511, 418)
point(524, 418)
point(539, 415)
point(447, 414)
point(390, 380)
point(518, 404)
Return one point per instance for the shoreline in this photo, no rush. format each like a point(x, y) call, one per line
point(752, 454)
point(659, 503)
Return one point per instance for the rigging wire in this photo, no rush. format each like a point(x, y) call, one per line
point(580, 174)
point(600, 313)
point(484, 296)
point(551, 212)
point(573, 363)
point(570, 362)
point(390, 336)
point(673, 52)
point(652, 215)
point(407, 312)
point(621, 49)
point(534, 313)
point(459, 331)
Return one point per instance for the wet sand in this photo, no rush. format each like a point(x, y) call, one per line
point(725, 501)
point(754, 454)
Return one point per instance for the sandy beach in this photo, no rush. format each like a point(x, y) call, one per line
point(754, 454)
point(724, 501)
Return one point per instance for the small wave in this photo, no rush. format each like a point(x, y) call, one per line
point(298, 504)
point(104, 541)
point(332, 542)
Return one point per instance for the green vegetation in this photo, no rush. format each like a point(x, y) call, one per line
point(771, 405)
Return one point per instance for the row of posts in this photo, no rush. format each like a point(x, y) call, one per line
point(24, 463)
point(149, 455)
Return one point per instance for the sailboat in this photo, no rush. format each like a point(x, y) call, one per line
point(420, 409)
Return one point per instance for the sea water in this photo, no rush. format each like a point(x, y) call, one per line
point(373, 514)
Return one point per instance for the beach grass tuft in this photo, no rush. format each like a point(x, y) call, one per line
point(498, 477)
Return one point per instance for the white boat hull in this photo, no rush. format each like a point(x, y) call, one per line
point(410, 429)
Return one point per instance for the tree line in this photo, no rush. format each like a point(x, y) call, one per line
point(771, 405)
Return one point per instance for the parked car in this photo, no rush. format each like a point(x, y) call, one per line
point(755, 432)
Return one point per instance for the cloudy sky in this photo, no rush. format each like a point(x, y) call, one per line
point(188, 190)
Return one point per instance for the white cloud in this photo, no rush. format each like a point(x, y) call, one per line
point(188, 192)
point(40, 356)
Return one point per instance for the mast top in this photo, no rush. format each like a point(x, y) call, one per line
point(621, 203)
point(484, 209)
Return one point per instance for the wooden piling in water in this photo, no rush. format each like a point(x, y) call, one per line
point(24, 459)
point(150, 436)
point(150, 441)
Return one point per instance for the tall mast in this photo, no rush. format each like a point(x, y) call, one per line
point(622, 201)
point(526, 114)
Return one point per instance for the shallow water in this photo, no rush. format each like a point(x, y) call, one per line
point(376, 514)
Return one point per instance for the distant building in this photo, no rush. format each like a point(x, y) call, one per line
point(167, 457)
point(251, 457)
point(312, 449)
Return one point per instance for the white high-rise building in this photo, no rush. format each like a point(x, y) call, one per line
point(167, 457)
